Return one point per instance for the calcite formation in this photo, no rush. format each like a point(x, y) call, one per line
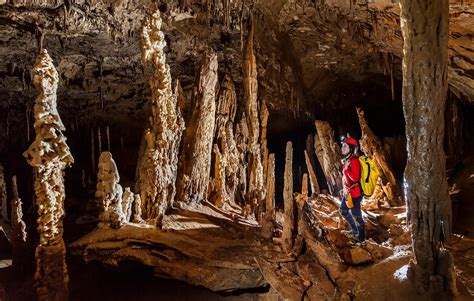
point(425, 84)
point(49, 155)
point(19, 235)
point(158, 164)
point(109, 192)
point(256, 191)
point(329, 155)
point(3, 196)
point(288, 225)
point(196, 164)
point(315, 190)
point(372, 147)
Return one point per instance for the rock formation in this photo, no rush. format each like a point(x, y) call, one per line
point(159, 163)
point(255, 192)
point(312, 175)
point(19, 250)
point(196, 165)
point(328, 154)
point(127, 203)
point(109, 192)
point(49, 155)
point(270, 196)
point(425, 83)
point(3, 196)
point(288, 226)
point(373, 148)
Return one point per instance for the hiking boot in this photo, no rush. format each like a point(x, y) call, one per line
point(349, 234)
point(359, 243)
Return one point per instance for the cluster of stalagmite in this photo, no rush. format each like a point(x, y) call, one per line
point(226, 155)
point(373, 148)
point(158, 164)
point(195, 167)
point(3, 196)
point(256, 189)
point(329, 156)
point(49, 155)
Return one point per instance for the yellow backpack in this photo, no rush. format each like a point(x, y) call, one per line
point(368, 176)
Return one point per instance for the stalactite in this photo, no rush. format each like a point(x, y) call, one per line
point(92, 151)
point(109, 193)
point(19, 251)
point(425, 83)
point(329, 157)
point(288, 225)
point(3, 196)
point(198, 137)
point(99, 140)
point(256, 191)
point(108, 138)
point(158, 163)
point(312, 176)
point(49, 155)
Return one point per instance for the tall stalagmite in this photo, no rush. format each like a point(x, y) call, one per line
point(372, 146)
point(288, 225)
point(225, 139)
point(329, 157)
point(159, 162)
point(195, 167)
point(425, 32)
point(256, 191)
point(315, 190)
point(49, 155)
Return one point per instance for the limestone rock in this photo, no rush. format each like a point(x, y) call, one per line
point(49, 155)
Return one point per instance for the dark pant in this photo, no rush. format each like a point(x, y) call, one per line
point(354, 217)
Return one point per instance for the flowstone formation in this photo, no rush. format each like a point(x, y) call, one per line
point(49, 155)
point(158, 165)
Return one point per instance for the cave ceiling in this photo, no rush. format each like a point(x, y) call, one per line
point(304, 49)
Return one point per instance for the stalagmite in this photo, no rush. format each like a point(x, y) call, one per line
point(264, 114)
point(99, 140)
point(328, 154)
point(312, 176)
point(256, 192)
point(425, 31)
point(19, 251)
point(137, 209)
point(220, 197)
point(109, 192)
point(158, 164)
point(226, 144)
point(288, 225)
point(304, 186)
point(269, 198)
point(127, 202)
point(373, 148)
point(3, 196)
point(49, 155)
point(196, 164)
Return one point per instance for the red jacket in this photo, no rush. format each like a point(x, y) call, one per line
point(352, 176)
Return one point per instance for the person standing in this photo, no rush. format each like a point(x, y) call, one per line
point(350, 204)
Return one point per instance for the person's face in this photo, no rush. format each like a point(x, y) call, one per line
point(345, 149)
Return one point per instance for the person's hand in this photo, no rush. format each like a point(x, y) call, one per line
point(346, 164)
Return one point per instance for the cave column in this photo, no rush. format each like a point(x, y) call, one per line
point(158, 161)
point(256, 191)
point(49, 155)
point(425, 31)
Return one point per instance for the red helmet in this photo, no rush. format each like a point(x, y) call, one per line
point(351, 141)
